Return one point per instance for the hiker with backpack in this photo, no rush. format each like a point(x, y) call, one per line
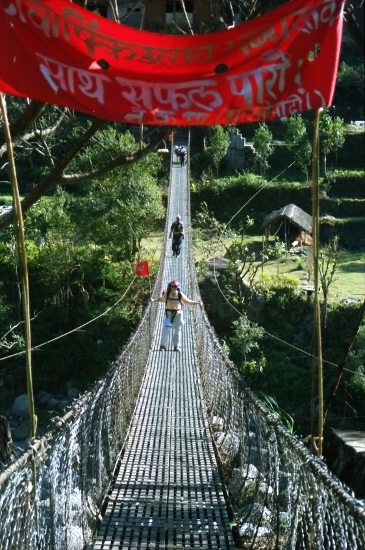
point(181, 156)
point(180, 152)
point(173, 297)
point(177, 235)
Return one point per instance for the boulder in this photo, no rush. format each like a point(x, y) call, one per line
point(20, 406)
point(23, 430)
point(228, 444)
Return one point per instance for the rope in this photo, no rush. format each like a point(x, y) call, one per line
point(74, 329)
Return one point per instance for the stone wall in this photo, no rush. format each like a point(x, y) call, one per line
point(345, 456)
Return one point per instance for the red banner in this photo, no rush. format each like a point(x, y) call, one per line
point(142, 269)
point(279, 64)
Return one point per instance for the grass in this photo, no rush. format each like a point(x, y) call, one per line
point(152, 246)
point(350, 279)
point(6, 198)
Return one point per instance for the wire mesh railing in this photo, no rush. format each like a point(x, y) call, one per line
point(74, 461)
point(283, 497)
point(50, 497)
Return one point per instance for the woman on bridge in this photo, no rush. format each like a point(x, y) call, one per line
point(173, 297)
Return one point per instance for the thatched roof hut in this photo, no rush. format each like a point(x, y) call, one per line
point(290, 224)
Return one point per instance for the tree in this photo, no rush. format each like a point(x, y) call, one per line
point(244, 261)
point(327, 266)
point(262, 143)
point(60, 147)
point(244, 344)
point(219, 143)
point(331, 136)
point(296, 141)
point(122, 209)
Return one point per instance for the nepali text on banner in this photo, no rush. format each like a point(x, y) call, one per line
point(276, 65)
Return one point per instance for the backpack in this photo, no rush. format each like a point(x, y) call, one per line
point(168, 290)
point(177, 227)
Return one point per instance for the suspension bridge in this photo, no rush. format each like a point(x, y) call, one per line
point(171, 450)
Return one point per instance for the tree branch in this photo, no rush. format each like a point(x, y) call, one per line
point(35, 133)
point(57, 177)
point(18, 127)
point(340, 368)
point(115, 163)
point(53, 177)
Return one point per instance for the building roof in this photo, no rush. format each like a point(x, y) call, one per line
point(294, 214)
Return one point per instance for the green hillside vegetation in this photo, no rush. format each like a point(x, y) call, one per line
point(277, 317)
point(81, 246)
point(278, 362)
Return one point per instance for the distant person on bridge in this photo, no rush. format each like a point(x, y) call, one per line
point(180, 152)
point(177, 235)
point(173, 297)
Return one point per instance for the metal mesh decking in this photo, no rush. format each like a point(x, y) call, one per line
point(167, 491)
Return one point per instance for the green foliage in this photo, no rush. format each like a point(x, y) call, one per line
point(346, 183)
point(281, 415)
point(357, 382)
point(282, 372)
point(350, 75)
point(218, 145)
point(332, 136)
point(80, 246)
point(297, 142)
point(107, 141)
point(247, 181)
point(121, 211)
point(205, 164)
point(262, 143)
point(277, 250)
point(244, 348)
point(278, 289)
point(331, 131)
point(245, 262)
point(246, 335)
point(250, 193)
point(209, 230)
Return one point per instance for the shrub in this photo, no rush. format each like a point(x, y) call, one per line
point(280, 289)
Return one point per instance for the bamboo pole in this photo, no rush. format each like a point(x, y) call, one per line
point(23, 265)
point(22, 254)
point(317, 442)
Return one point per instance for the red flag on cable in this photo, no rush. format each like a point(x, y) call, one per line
point(142, 269)
point(281, 63)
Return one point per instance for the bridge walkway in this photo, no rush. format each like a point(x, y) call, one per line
point(167, 491)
